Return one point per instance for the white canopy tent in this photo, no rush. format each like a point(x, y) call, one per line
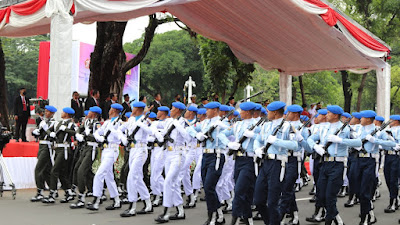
point(293, 36)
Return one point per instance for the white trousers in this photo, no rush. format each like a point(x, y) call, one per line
point(135, 183)
point(223, 184)
point(157, 162)
point(197, 182)
point(105, 173)
point(184, 175)
point(172, 189)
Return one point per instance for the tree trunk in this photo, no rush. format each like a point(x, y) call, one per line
point(3, 90)
point(303, 96)
point(107, 59)
point(360, 91)
point(346, 91)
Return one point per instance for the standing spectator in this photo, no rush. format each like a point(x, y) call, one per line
point(305, 112)
point(193, 99)
point(107, 106)
point(40, 117)
point(215, 98)
point(177, 98)
point(156, 103)
point(204, 101)
point(144, 100)
point(231, 101)
point(312, 111)
point(93, 100)
point(22, 114)
point(76, 104)
point(126, 105)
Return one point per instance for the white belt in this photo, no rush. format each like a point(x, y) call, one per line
point(43, 142)
point(138, 145)
point(245, 154)
point(277, 157)
point(335, 159)
point(211, 151)
point(391, 152)
point(368, 155)
point(111, 145)
point(294, 154)
point(175, 148)
point(62, 145)
point(94, 146)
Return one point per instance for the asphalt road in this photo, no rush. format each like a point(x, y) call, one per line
point(22, 211)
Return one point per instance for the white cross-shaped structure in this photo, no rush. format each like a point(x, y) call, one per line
point(190, 84)
point(248, 90)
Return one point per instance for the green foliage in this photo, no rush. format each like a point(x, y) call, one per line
point(171, 59)
point(21, 56)
point(226, 73)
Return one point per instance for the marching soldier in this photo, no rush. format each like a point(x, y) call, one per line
point(244, 171)
point(109, 135)
point(173, 164)
point(124, 170)
point(190, 154)
point(336, 139)
point(271, 145)
point(157, 160)
point(391, 167)
point(138, 132)
point(292, 172)
point(368, 164)
point(83, 168)
point(201, 116)
point(62, 149)
point(213, 160)
point(346, 117)
point(352, 162)
point(44, 163)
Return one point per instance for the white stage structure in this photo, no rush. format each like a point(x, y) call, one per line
point(293, 36)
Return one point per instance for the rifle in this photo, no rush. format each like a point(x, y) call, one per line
point(131, 138)
point(115, 122)
point(211, 130)
point(243, 138)
point(167, 136)
point(252, 96)
point(277, 129)
point(382, 127)
point(307, 123)
point(327, 144)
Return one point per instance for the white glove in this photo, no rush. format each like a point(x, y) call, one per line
point(221, 124)
point(151, 139)
point(52, 134)
point(397, 147)
point(200, 136)
point(319, 149)
point(358, 148)
point(45, 126)
point(159, 137)
point(142, 125)
point(378, 134)
point(99, 138)
point(370, 138)
point(299, 137)
point(36, 132)
point(124, 140)
point(249, 134)
point(271, 139)
point(259, 152)
point(79, 137)
point(334, 139)
point(177, 124)
point(63, 127)
point(234, 145)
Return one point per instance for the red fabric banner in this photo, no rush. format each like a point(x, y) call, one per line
point(28, 8)
point(21, 149)
point(43, 70)
point(331, 17)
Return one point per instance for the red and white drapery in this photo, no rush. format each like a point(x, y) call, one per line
point(360, 39)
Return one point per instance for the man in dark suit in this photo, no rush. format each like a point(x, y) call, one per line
point(156, 103)
point(77, 105)
point(22, 114)
point(107, 105)
point(126, 105)
point(93, 100)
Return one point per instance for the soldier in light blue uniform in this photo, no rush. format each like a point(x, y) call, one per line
point(352, 160)
point(368, 163)
point(213, 160)
point(288, 200)
point(244, 171)
point(334, 159)
point(268, 186)
point(346, 117)
point(391, 168)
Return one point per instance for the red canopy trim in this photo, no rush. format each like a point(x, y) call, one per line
point(73, 8)
point(5, 13)
point(28, 8)
point(331, 17)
